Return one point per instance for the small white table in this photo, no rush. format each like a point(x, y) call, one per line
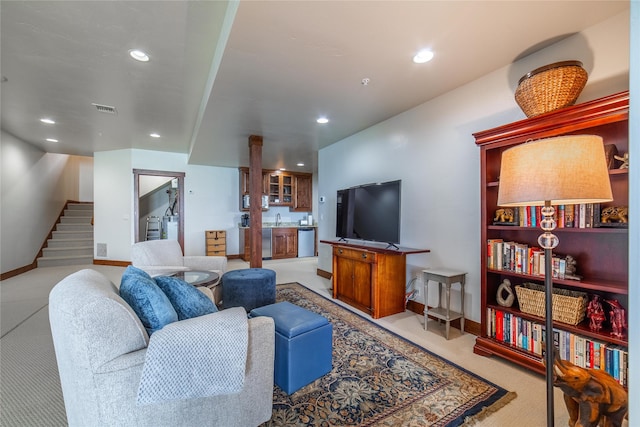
point(448, 277)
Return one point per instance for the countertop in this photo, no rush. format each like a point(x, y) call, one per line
point(283, 225)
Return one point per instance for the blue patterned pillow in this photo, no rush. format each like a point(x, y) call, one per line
point(185, 298)
point(146, 299)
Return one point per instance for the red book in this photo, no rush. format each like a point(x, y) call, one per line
point(499, 325)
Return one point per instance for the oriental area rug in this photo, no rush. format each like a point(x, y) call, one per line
point(380, 379)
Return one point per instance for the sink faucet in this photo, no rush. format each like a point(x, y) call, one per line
point(278, 219)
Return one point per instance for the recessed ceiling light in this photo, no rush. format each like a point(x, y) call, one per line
point(423, 56)
point(300, 164)
point(322, 120)
point(47, 121)
point(51, 140)
point(154, 135)
point(139, 55)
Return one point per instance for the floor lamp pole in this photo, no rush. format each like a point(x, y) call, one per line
point(548, 241)
point(549, 346)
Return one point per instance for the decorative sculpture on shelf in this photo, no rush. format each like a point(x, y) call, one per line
point(592, 396)
point(570, 268)
point(595, 313)
point(610, 150)
point(618, 214)
point(507, 301)
point(624, 159)
point(617, 319)
point(504, 216)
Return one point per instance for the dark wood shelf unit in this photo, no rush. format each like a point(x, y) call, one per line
point(601, 252)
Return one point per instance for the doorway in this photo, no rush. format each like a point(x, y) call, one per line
point(158, 202)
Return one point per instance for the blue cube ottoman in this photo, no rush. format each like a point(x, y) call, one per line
point(248, 288)
point(303, 344)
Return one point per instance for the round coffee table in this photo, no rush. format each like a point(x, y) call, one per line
point(198, 277)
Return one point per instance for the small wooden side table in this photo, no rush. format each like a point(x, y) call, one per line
point(447, 277)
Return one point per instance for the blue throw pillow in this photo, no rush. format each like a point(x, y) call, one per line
point(185, 298)
point(131, 270)
point(146, 299)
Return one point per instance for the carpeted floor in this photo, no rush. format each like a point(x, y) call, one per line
point(381, 379)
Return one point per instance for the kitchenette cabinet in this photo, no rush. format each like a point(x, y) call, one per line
point(302, 196)
point(284, 243)
point(280, 189)
point(292, 189)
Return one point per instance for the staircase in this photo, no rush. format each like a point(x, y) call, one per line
point(72, 240)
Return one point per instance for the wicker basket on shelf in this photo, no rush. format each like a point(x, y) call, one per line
point(551, 87)
point(568, 306)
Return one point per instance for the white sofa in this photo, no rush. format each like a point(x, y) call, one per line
point(161, 257)
point(102, 349)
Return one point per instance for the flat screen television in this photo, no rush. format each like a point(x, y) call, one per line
point(369, 212)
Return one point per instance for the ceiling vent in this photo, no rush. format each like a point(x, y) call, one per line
point(105, 108)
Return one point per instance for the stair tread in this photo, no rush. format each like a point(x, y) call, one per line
point(49, 258)
point(66, 248)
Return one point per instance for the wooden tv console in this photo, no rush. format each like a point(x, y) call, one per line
point(370, 278)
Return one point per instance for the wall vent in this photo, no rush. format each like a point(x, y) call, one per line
point(101, 249)
point(105, 108)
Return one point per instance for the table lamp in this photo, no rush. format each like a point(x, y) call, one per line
point(553, 171)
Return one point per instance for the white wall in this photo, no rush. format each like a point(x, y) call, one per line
point(211, 201)
point(432, 150)
point(35, 187)
point(113, 203)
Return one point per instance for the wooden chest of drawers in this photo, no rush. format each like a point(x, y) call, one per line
point(216, 242)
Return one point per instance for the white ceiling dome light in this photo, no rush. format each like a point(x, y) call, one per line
point(423, 56)
point(139, 55)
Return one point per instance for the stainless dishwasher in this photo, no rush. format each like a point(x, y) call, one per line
point(266, 243)
point(306, 242)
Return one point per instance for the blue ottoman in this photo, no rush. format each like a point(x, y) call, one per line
point(303, 344)
point(248, 288)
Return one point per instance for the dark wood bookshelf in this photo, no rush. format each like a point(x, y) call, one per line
point(601, 252)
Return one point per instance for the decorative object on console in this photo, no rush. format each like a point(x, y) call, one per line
point(595, 313)
point(551, 87)
point(505, 287)
point(543, 173)
point(618, 319)
point(593, 397)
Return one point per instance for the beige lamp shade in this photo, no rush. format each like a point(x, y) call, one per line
point(563, 170)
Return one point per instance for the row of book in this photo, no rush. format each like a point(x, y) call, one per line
point(521, 258)
point(584, 215)
point(581, 351)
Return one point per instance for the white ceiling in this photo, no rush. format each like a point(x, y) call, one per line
point(285, 63)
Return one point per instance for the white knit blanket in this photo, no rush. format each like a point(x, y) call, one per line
point(199, 357)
